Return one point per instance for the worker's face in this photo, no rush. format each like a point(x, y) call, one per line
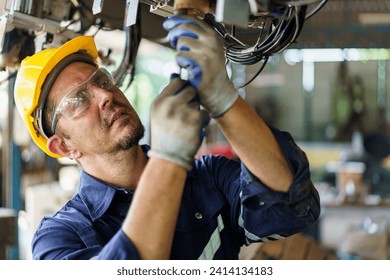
point(107, 125)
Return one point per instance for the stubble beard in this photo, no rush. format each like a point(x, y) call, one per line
point(132, 138)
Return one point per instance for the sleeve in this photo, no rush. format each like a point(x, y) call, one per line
point(120, 247)
point(264, 214)
point(58, 242)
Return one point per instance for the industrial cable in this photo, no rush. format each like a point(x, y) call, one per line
point(279, 29)
point(316, 9)
point(255, 75)
point(127, 65)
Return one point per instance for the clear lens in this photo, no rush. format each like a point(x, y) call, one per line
point(74, 105)
point(78, 99)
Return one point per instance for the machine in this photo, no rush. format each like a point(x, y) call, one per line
point(252, 30)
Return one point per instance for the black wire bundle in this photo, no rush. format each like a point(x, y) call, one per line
point(127, 65)
point(132, 41)
point(279, 29)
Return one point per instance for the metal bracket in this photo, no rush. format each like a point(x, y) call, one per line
point(233, 12)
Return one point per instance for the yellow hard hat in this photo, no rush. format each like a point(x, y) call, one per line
point(37, 74)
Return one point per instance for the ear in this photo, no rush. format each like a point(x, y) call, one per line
point(57, 144)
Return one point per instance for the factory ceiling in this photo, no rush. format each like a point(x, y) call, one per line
point(339, 24)
point(348, 24)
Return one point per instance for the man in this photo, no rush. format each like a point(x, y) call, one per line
point(180, 208)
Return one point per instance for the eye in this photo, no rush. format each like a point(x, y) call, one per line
point(105, 84)
point(75, 105)
point(103, 81)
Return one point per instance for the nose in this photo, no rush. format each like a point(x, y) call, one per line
point(103, 97)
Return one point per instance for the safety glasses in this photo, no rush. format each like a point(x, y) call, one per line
point(78, 100)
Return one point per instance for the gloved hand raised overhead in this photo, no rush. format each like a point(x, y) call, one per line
point(200, 51)
point(177, 124)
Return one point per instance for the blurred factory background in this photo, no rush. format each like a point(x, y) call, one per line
point(329, 87)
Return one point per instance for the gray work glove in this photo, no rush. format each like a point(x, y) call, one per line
point(200, 51)
point(177, 124)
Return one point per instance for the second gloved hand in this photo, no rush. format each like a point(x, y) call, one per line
point(177, 124)
point(200, 51)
